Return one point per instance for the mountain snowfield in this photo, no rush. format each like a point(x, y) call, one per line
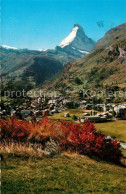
point(14, 48)
point(41, 50)
point(9, 47)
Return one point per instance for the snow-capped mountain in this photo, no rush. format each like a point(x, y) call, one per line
point(42, 50)
point(9, 47)
point(14, 48)
point(69, 38)
point(73, 47)
point(77, 41)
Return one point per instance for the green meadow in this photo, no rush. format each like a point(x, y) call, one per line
point(69, 173)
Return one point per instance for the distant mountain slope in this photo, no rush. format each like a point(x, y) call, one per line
point(30, 68)
point(77, 46)
point(26, 69)
point(105, 64)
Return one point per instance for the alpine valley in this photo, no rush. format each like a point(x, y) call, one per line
point(76, 63)
point(27, 69)
point(63, 108)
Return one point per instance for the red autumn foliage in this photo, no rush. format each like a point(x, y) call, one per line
point(80, 137)
point(86, 140)
point(13, 129)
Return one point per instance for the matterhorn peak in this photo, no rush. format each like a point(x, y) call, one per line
point(79, 26)
point(77, 40)
point(70, 38)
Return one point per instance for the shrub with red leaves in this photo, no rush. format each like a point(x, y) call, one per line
point(80, 137)
point(86, 140)
point(14, 129)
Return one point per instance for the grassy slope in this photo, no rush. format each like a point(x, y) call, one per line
point(115, 129)
point(66, 174)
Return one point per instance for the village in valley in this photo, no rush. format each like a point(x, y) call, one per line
point(55, 104)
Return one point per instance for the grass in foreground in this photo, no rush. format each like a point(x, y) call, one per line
point(70, 173)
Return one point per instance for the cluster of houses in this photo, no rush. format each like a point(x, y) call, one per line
point(36, 108)
point(108, 113)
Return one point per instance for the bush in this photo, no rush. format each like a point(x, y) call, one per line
point(19, 130)
point(72, 105)
point(52, 147)
point(74, 117)
point(13, 129)
point(86, 140)
point(79, 137)
point(78, 81)
point(122, 114)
